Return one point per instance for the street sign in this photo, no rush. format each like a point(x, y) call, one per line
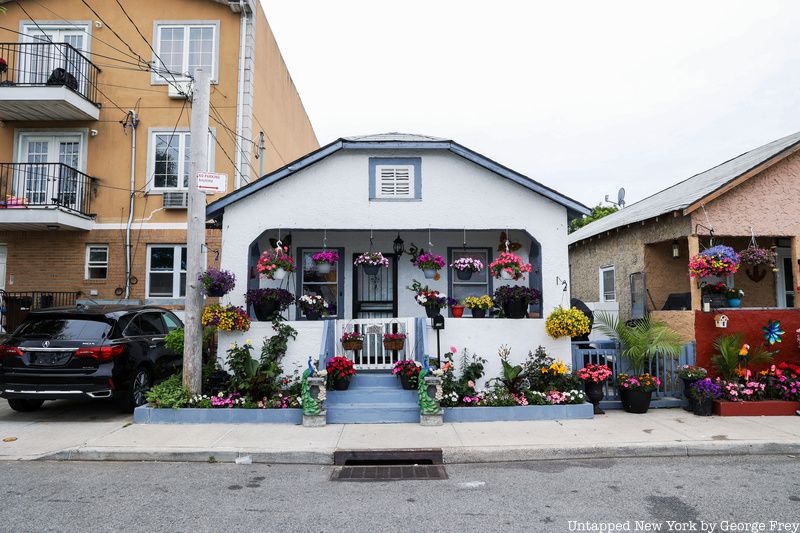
point(212, 182)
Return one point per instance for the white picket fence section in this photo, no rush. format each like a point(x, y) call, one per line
point(373, 356)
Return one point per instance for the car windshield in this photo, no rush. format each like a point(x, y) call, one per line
point(68, 329)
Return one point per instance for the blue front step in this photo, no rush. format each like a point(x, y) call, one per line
point(373, 399)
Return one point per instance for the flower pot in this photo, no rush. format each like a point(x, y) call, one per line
point(340, 383)
point(457, 311)
point(313, 314)
point(515, 309)
point(638, 401)
point(478, 313)
point(392, 345)
point(265, 310)
point(734, 302)
point(324, 268)
point(504, 274)
point(371, 270)
point(278, 273)
point(429, 273)
point(595, 394)
point(408, 382)
point(624, 397)
point(704, 407)
point(432, 311)
point(464, 275)
point(353, 345)
point(687, 383)
point(215, 293)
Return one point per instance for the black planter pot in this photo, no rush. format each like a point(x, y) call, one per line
point(408, 382)
point(265, 310)
point(478, 313)
point(464, 275)
point(638, 401)
point(595, 394)
point(340, 383)
point(371, 270)
point(687, 383)
point(704, 407)
point(432, 311)
point(215, 293)
point(515, 309)
point(313, 314)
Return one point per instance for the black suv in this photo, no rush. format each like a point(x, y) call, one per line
point(87, 352)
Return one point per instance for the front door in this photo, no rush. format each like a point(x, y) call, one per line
point(785, 282)
point(42, 58)
point(43, 183)
point(375, 296)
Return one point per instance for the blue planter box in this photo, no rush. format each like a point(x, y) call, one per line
point(150, 415)
point(518, 413)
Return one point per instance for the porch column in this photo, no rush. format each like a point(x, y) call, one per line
point(796, 268)
point(697, 296)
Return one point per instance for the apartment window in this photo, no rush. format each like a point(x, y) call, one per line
point(183, 48)
point(96, 261)
point(396, 178)
point(170, 151)
point(608, 288)
point(166, 271)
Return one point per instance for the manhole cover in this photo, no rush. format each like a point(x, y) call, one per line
point(389, 473)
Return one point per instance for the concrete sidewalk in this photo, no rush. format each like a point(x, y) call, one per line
point(65, 430)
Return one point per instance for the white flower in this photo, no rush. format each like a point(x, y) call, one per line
point(438, 372)
point(322, 373)
point(248, 342)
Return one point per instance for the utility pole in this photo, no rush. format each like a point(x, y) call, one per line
point(195, 234)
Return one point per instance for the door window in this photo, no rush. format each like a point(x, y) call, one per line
point(44, 52)
point(51, 173)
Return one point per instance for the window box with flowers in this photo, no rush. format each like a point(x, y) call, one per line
point(216, 283)
point(340, 370)
point(408, 372)
point(371, 262)
point(509, 266)
point(429, 263)
point(464, 267)
point(275, 264)
point(352, 340)
point(267, 302)
point(478, 305)
point(394, 342)
point(314, 306)
point(514, 301)
point(325, 260)
point(225, 318)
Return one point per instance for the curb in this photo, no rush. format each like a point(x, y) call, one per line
point(460, 455)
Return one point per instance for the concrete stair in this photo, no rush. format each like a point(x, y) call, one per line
point(373, 398)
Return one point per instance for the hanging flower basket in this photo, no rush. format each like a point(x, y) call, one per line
point(718, 261)
point(429, 263)
point(216, 283)
point(225, 318)
point(325, 260)
point(352, 340)
point(275, 264)
point(509, 266)
point(464, 267)
point(371, 262)
point(394, 341)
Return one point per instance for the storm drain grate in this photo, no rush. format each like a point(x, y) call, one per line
point(389, 473)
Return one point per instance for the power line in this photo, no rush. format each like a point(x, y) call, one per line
point(283, 159)
point(231, 134)
point(123, 41)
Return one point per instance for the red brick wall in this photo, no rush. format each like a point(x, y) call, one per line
point(749, 323)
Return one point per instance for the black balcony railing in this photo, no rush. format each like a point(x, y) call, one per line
point(25, 185)
point(43, 64)
point(15, 306)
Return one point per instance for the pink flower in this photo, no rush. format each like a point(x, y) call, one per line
point(453, 349)
point(471, 384)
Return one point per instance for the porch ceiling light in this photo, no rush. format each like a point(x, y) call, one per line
point(398, 246)
point(676, 250)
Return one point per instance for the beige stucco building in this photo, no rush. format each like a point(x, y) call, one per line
point(75, 83)
point(636, 260)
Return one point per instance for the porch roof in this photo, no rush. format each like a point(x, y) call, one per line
point(692, 192)
point(393, 141)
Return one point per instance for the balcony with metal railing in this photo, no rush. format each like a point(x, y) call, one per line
point(47, 81)
point(42, 196)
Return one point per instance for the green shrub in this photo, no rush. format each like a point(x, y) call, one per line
point(169, 393)
point(174, 340)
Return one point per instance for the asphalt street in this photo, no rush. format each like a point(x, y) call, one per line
point(538, 496)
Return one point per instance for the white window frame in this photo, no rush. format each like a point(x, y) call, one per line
point(411, 182)
point(21, 133)
point(159, 79)
point(151, 156)
point(176, 271)
point(95, 264)
point(603, 270)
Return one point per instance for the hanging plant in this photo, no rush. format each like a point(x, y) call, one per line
point(509, 266)
point(429, 263)
point(325, 260)
point(718, 260)
point(371, 262)
point(275, 264)
point(567, 322)
point(464, 267)
point(216, 282)
point(754, 258)
point(225, 318)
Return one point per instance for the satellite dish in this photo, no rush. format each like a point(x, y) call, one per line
point(621, 197)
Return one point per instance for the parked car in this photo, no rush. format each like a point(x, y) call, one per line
point(87, 352)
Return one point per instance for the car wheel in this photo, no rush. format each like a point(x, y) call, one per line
point(24, 406)
point(137, 393)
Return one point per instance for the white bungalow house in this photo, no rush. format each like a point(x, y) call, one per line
point(386, 193)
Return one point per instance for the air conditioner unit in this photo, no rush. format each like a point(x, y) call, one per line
point(179, 89)
point(176, 200)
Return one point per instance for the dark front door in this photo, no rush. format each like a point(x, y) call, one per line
point(375, 296)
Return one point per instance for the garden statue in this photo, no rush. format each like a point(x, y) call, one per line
point(313, 396)
point(430, 411)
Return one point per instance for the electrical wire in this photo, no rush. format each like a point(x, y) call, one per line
point(231, 134)
point(123, 41)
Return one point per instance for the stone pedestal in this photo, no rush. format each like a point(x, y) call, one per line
point(315, 421)
point(430, 420)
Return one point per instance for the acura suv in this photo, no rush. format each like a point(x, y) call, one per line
point(87, 352)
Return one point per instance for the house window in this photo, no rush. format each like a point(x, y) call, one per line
point(608, 288)
point(479, 283)
point(166, 271)
point(183, 48)
point(169, 159)
point(396, 178)
point(49, 170)
point(328, 285)
point(96, 261)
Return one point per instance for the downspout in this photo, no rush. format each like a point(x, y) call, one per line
point(240, 97)
point(134, 121)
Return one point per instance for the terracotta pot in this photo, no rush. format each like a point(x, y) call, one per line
point(457, 311)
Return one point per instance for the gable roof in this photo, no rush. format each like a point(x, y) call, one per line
point(394, 141)
point(691, 193)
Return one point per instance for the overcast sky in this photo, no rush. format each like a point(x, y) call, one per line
point(585, 97)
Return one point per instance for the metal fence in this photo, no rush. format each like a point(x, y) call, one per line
point(15, 306)
point(45, 184)
point(662, 366)
point(45, 64)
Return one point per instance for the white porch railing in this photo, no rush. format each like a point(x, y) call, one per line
point(373, 356)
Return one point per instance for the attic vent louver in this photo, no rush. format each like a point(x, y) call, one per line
point(394, 181)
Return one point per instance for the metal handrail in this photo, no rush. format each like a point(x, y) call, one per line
point(45, 184)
